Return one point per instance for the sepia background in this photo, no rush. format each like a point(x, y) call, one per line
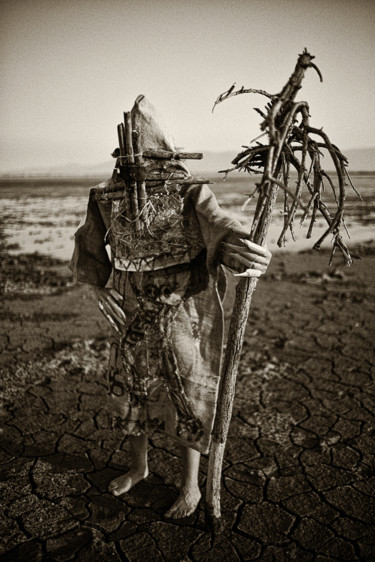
point(298, 476)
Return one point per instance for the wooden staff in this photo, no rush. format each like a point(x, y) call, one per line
point(131, 161)
point(278, 122)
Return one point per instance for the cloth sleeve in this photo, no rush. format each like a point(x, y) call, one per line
point(214, 223)
point(90, 262)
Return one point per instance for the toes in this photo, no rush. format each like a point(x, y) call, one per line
point(124, 483)
point(119, 486)
point(172, 514)
point(181, 513)
point(113, 486)
point(114, 490)
point(184, 506)
point(178, 512)
point(169, 513)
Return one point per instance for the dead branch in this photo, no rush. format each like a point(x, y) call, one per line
point(231, 92)
point(286, 123)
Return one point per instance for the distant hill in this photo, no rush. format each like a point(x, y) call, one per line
point(360, 159)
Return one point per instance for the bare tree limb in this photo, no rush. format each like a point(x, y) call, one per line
point(287, 126)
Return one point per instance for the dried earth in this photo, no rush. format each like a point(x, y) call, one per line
point(299, 473)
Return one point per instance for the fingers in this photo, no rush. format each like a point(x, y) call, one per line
point(115, 311)
point(262, 250)
point(263, 257)
point(119, 298)
point(241, 253)
point(239, 257)
point(108, 317)
point(237, 260)
point(249, 273)
point(245, 257)
point(108, 304)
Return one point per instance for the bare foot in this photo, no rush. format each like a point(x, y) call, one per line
point(185, 504)
point(126, 481)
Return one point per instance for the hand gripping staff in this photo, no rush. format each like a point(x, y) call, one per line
point(290, 144)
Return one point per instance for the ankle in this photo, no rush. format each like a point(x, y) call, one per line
point(190, 487)
point(140, 469)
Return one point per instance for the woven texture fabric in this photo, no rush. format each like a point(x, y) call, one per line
point(172, 344)
point(164, 368)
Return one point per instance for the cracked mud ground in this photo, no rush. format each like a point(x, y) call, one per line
point(298, 478)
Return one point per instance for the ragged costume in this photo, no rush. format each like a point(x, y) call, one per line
point(164, 229)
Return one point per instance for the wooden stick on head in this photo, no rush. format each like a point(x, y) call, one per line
point(122, 162)
point(141, 182)
point(131, 161)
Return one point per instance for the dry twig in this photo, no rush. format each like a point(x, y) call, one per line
point(292, 139)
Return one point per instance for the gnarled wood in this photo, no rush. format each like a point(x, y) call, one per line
point(273, 160)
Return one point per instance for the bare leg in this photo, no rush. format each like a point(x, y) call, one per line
point(190, 495)
point(138, 471)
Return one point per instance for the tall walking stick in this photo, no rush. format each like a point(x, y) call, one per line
point(292, 143)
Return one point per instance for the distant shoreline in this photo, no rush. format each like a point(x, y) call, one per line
point(360, 161)
point(101, 177)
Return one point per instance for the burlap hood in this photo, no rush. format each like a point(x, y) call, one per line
point(153, 134)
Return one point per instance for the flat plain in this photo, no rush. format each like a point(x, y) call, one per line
point(299, 471)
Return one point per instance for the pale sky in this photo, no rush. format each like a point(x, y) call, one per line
point(69, 68)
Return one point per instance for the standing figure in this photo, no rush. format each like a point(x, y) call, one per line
point(168, 241)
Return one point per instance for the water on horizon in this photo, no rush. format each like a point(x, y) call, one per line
point(42, 215)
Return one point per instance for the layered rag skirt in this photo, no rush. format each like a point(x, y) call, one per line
point(164, 368)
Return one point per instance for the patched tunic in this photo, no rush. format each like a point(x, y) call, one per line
point(164, 368)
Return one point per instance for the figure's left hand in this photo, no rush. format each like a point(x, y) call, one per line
point(244, 258)
point(110, 304)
